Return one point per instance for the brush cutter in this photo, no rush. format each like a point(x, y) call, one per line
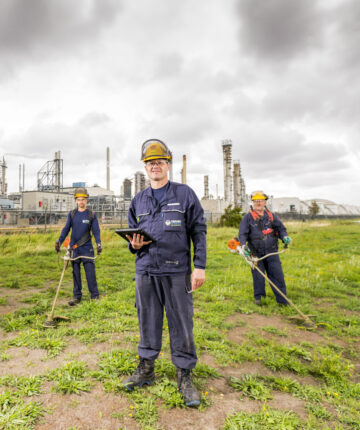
point(235, 247)
point(52, 320)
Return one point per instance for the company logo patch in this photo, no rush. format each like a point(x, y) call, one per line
point(173, 222)
point(85, 221)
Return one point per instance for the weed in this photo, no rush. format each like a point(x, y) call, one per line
point(71, 378)
point(16, 414)
point(276, 331)
point(34, 339)
point(25, 386)
point(251, 386)
point(318, 411)
point(143, 409)
point(267, 419)
point(4, 356)
point(114, 364)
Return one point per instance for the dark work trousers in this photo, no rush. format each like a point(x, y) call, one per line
point(89, 266)
point(272, 267)
point(153, 293)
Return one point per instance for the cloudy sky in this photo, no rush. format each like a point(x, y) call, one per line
point(280, 78)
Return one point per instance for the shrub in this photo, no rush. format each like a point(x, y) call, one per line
point(231, 217)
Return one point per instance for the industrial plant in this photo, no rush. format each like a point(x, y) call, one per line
point(51, 200)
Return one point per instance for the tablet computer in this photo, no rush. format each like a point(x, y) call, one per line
point(130, 231)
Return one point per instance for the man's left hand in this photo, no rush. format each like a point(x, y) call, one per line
point(99, 248)
point(197, 278)
point(287, 240)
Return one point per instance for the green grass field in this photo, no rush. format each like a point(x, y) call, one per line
point(257, 369)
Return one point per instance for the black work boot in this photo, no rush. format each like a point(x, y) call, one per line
point(144, 374)
point(257, 302)
point(186, 387)
point(74, 302)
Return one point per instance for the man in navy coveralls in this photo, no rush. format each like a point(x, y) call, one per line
point(82, 221)
point(259, 233)
point(172, 215)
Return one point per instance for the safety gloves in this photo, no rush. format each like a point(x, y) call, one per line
point(245, 250)
point(57, 246)
point(99, 248)
point(287, 240)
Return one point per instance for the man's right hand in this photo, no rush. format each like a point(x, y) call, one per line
point(57, 246)
point(245, 250)
point(137, 241)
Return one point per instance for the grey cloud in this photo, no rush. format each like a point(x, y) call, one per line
point(278, 29)
point(94, 119)
point(41, 29)
point(273, 151)
point(346, 19)
point(168, 65)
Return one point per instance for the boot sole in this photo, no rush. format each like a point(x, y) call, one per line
point(194, 404)
point(131, 387)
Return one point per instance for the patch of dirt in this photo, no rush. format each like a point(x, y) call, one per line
point(212, 418)
point(24, 361)
point(256, 322)
point(259, 369)
point(210, 361)
point(13, 297)
point(287, 402)
point(88, 411)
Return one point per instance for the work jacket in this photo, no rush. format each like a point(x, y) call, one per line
point(173, 224)
point(79, 225)
point(261, 235)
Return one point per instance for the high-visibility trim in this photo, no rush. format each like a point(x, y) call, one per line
point(267, 231)
point(256, 216)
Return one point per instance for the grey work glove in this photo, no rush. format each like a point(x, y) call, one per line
point(57, 246)
point(99, 248)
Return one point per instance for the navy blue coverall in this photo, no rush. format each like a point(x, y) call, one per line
point(257, 235)
point(80, 225)
point(163, 269)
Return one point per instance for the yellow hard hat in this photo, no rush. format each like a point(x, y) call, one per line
point(258, 195)
point(81, 192)
point(153, 149)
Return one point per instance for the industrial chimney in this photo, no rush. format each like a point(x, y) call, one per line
point(183, 171)
point(206, 187)
point(237, 184)
point(226, 147)
point(3, 184)
point(108, 168)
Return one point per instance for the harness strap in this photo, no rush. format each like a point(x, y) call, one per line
point(256, 218)
point(86, 236)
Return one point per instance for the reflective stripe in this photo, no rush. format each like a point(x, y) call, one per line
point(147, 213)
point(173, 210)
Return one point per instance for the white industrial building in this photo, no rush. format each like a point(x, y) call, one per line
point(38, 201)
point(93, 191)
point(326, 207)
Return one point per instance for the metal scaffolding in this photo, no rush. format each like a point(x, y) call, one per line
point(50, 176)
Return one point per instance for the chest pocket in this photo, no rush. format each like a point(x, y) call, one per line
point(174, 219)
point(142, 217)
